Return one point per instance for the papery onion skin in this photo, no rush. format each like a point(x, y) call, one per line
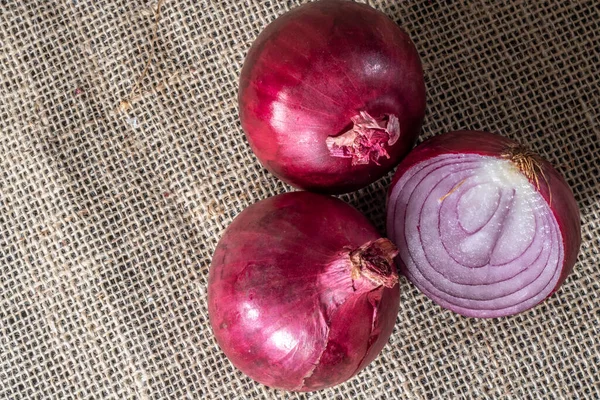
point(310, 73)
point(547, 181)
point(286, 303)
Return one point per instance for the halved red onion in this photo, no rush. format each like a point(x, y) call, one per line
point(484, 227)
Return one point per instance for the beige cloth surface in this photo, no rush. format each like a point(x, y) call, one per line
point(113, 195)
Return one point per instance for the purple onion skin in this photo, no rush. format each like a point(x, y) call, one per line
point(282, 302)
point(309, 73)
point(550, 184)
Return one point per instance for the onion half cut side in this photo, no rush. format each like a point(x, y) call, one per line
point(484, 227)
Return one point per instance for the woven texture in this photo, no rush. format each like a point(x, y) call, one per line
point(122, 160)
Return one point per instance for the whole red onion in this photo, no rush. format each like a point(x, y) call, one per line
point(332, 96)
point(484, 227)
point(302, 291)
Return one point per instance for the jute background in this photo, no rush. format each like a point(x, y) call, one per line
point(114, 193)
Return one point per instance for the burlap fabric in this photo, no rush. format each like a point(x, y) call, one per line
point(122, 161)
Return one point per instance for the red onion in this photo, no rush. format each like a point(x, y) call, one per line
point(484, 227)
point(332, 96)
point(302, 291)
